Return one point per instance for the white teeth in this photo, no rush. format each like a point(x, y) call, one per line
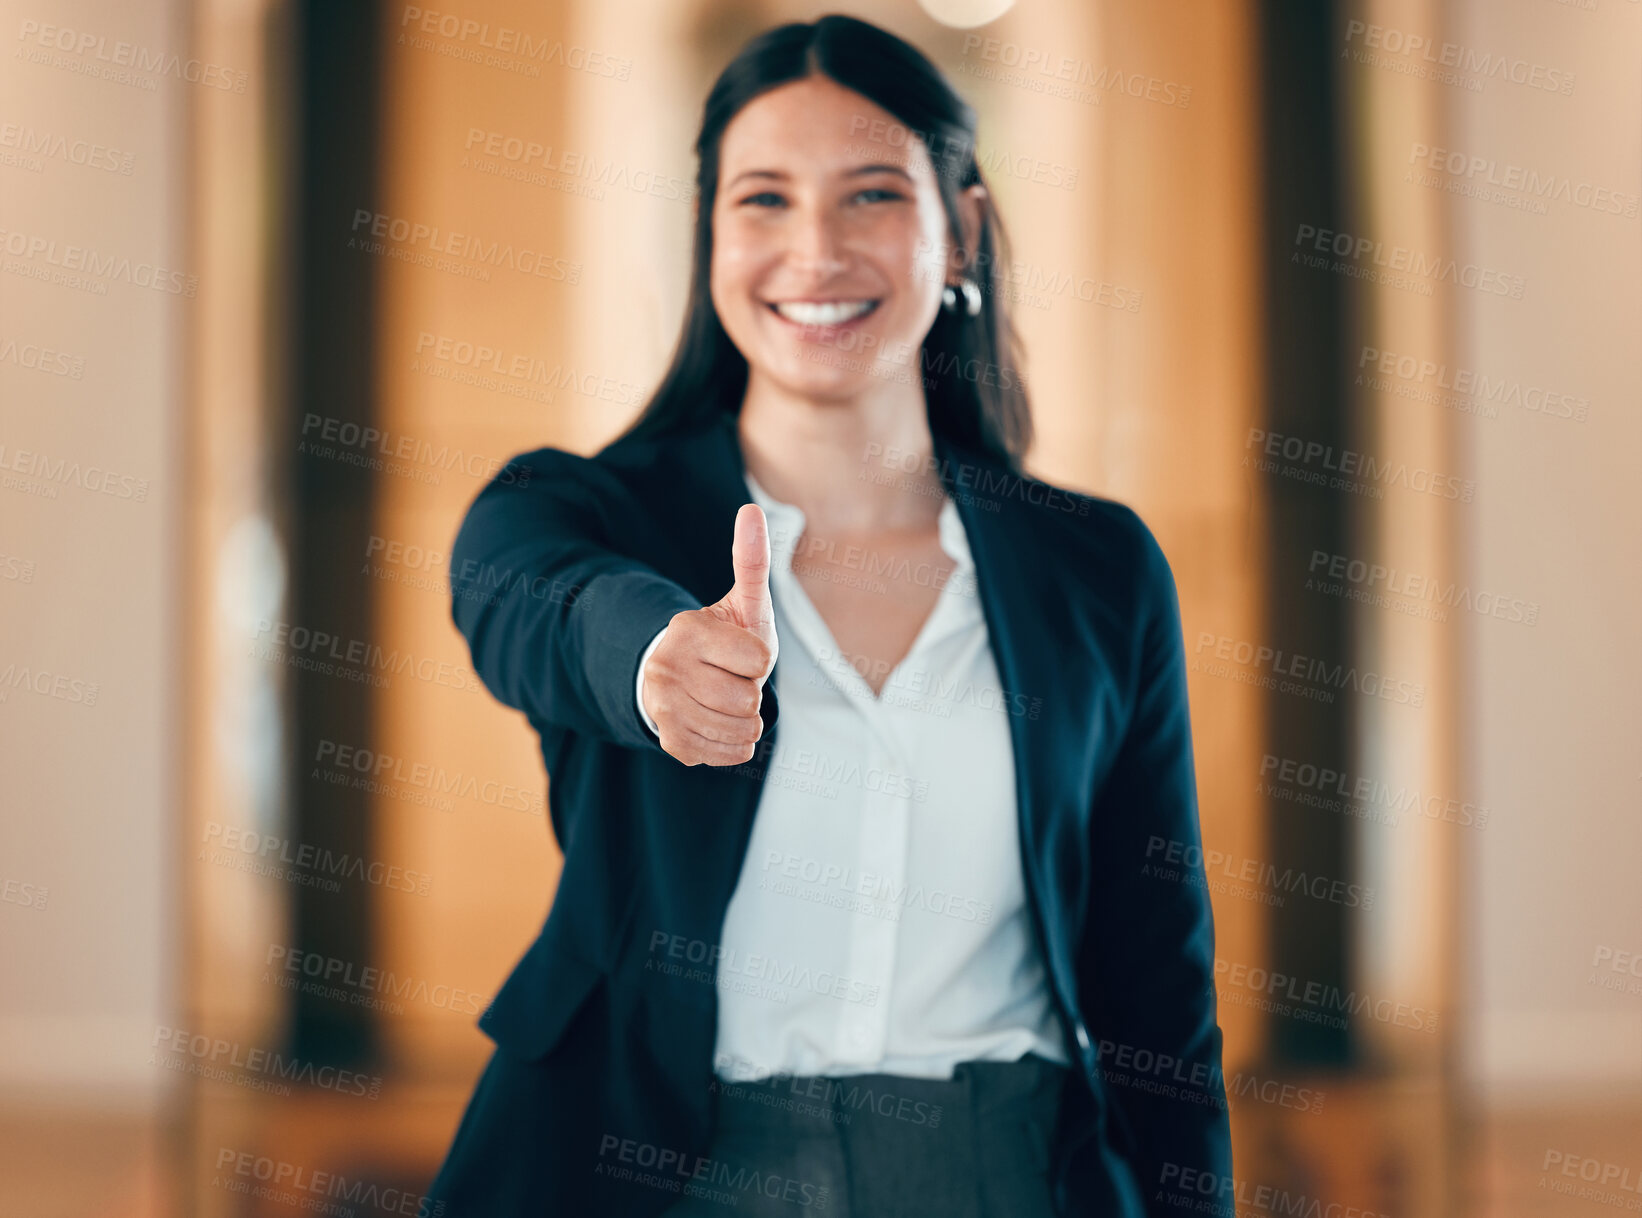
point(829, 313)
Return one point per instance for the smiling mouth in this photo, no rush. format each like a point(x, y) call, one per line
point(822, 312)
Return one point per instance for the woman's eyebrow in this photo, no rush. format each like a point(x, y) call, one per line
point(781, 175)
point(879, 167)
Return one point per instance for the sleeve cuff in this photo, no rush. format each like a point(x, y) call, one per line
point(638, 684)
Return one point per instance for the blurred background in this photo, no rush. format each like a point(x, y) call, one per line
point(1345, 298)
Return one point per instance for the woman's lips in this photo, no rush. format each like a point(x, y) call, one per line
point(825, 319)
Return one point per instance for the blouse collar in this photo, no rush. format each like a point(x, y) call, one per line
point(786, 526)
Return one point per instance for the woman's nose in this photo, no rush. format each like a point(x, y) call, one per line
point(815, 246)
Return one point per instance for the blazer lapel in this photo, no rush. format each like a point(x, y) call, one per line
point(1025, 623)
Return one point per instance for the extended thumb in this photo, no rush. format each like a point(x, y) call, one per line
point(750, 559)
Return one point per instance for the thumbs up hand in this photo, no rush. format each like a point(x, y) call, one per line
point(704, 682)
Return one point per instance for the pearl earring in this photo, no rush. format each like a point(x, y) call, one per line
point(972, 297)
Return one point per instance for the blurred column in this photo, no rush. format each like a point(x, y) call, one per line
point(475, 355)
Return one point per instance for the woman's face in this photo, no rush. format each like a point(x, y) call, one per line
point(829, 239)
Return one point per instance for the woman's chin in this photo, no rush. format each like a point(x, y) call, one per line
point(835, 385)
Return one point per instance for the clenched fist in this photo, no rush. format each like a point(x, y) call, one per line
point(704, 682)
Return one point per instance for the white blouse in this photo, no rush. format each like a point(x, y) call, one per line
point(880, 922)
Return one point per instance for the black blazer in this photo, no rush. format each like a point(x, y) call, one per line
point(598, 1098)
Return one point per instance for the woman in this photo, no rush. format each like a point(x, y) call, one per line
point(930, 945)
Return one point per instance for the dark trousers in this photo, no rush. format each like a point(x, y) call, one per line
point(882, 1146)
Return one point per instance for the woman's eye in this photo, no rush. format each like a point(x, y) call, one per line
point(872, 194)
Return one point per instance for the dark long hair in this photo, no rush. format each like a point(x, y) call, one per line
point(974, 392)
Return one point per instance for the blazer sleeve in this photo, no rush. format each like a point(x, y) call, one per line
point(1146, 963)
point(556, 618)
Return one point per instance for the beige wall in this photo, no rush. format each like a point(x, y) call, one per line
point(91, 786)
point(1554, 710)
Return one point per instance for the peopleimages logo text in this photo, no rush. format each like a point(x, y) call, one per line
point(1414, 262)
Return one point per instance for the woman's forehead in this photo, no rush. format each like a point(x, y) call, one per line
point(817, 127)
